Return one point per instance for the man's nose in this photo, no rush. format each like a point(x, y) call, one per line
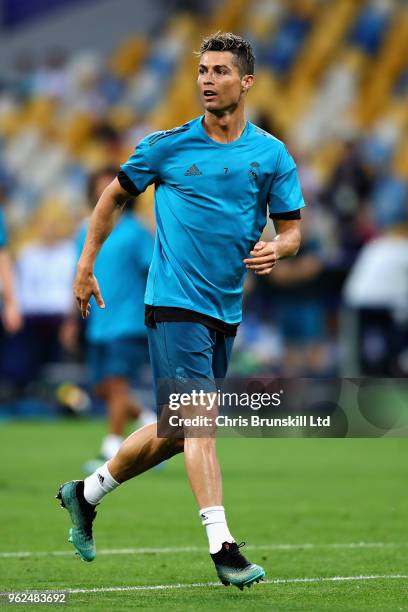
point(209, 79)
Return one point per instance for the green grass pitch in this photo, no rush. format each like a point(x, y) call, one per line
point(309, 510)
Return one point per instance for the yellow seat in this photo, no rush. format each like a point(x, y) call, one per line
point(384, 71)
point(128, 57)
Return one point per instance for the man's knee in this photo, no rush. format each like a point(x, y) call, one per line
point(176, 444)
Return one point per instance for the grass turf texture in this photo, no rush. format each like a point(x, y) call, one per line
point(277, 491)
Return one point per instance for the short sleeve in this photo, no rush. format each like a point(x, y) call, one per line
point(285, 193)
point(3, 230)
point(142, 167)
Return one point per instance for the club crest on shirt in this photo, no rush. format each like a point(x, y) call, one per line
point(253, 171)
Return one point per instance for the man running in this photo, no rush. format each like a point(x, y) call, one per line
point(215, 178)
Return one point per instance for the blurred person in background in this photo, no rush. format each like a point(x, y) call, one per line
point(346, 195)
point(11, 316)
point(295, 290)
point(376, 290)
point(116, 337)
point(43, 277)
point(298, 309)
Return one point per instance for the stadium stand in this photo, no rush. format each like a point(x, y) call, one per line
point(332, 81)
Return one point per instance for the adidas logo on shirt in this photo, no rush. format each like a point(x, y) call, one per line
point(193, 171)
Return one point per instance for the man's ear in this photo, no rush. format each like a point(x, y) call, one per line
point(247, 81)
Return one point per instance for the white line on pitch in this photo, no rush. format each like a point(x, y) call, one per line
point(159, 587)
point(184, 549)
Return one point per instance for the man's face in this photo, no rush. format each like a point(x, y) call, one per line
point(220, 84)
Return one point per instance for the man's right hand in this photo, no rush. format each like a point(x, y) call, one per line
point(100, 226)
point(85, 286)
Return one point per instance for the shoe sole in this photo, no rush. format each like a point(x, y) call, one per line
point(247, 583)
point(59, 497)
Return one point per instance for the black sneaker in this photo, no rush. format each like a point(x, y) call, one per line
point(82, 516)
point(233, 568)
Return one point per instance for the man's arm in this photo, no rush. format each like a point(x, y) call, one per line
point(286, 243)
point(11, 316)
point(100, 226)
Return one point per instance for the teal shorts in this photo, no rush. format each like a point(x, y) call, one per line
point(187, 356)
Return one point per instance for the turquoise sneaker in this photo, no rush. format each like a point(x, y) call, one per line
point(233, 568)
point(71, 495)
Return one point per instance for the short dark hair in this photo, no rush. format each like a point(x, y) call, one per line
point(238, 46)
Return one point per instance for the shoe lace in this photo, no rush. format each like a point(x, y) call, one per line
point(238, 558)
point(236, 550)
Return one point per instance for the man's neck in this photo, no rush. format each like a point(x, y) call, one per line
point(225, 128)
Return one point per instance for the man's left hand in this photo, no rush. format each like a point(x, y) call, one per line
point(263, 257)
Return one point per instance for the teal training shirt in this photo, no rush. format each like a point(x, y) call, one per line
point(211, 204)
point(121, 270)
